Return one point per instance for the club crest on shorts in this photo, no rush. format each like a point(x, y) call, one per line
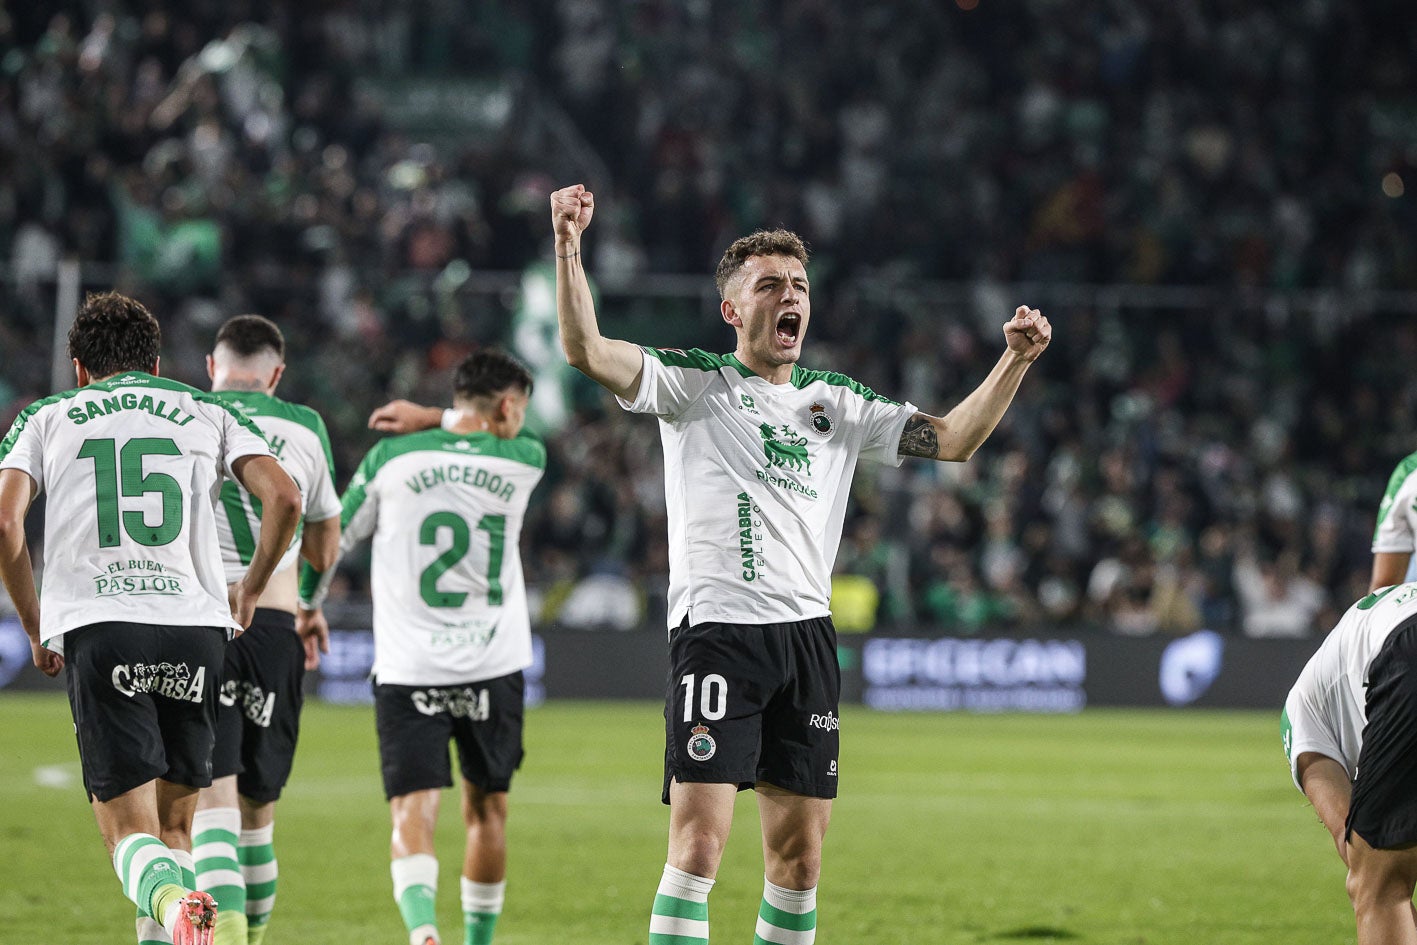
point(821, 421)
point(701, 743)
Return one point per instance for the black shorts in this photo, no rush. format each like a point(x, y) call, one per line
point(754, 702)
point(258, 718)
point(1384, 807)
point(144, 703)
point(484, 719)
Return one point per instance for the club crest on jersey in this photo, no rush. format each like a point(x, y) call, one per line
point(783, 446)
point(701, 744)
point(821, 421)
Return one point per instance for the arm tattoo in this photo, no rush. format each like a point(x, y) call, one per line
point(919, 438)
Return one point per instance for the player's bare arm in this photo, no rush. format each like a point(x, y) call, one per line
point(1389, 568)
point(265, 479)
point(404, 416)
point(955, 436)
point(17, 491)
point(613, 364)
point(1327, 787)
point(314, 632)
point(319, 545)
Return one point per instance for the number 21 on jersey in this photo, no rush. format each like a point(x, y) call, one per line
point(496, 528)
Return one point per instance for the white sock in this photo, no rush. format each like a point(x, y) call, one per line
point(483, 897)
point(682, 885)
point(415, 887)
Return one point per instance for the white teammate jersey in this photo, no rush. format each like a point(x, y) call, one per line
point(756, 479)
point(1327, 708)
point(131, 467)
point(298, 438)
point(446, 512)
point(1397, 515)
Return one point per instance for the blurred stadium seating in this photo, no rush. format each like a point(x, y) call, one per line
point(1208, 200)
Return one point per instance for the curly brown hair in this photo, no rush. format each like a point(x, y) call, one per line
point(761, 243)
point(113, 334)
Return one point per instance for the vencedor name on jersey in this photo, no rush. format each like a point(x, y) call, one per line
point(474, 476)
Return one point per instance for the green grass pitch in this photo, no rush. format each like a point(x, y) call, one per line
point(1106, 827)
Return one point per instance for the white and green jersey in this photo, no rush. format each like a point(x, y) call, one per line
point(131, 468)
point(298, 438)
point(446, 512)
point(1327, 708)
point(1397, 515)
point(756, 478)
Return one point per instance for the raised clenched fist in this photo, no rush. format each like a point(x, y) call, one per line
point(571, 210)
point(1027, 333)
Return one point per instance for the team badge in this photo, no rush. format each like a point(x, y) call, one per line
point(821, 420)
point(701, 743)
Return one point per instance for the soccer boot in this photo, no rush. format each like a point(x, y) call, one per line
point(196, 917)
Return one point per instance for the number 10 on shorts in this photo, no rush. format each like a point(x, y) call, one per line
point(713, 697)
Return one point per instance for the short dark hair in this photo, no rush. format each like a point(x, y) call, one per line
point(489, 371)
point(761, 243)
point(248, 335)
point(113, 334)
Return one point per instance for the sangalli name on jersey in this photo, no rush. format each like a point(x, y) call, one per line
point(128, 400)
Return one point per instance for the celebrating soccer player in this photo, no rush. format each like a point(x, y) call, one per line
point(258, 718)
point(1350, 731)
point(452, 633)
point(135, 604)
point(759, 455)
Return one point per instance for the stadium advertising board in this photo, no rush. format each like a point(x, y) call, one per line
point(997, 674)
point(15, 654)
point(1038, 672)
point(1064, 673)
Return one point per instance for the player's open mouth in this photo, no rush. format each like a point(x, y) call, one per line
point(789, 325)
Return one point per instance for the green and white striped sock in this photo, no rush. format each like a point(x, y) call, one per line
point(152, 880)
point(187, 864)
point(787, 916)
point(680, 914)
point(481, 905)
point(416, 890)
point(145, 865)
point(256, 853)
point(215, 833)
point(150, 930)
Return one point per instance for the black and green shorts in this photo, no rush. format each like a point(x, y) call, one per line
point(258, 718)
point(144, 703)
point(1384, 807)
point(750, 703)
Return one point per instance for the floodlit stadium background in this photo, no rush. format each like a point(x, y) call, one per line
point(1209, 200)
point(1212, 201)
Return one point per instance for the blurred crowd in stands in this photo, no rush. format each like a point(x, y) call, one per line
point(1166, 468)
